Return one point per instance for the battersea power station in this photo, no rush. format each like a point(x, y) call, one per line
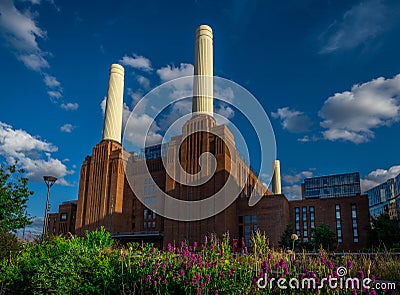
point(177, 191)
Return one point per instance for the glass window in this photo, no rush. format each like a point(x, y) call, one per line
point(297, 225)
point(355, 239)
point(355, 232)
point(337, 214)
point(305, 233)
point(337, 207)
point(311, 208)
point(297, 210)
point(305, 239)
point(339, 233)
point(353, 213)
point(64, 216)
point(354, 223)
point(240, 219)
point(338, 224)
point(145, 225)
point(254, 219)
point(247, 219)
point(145, 213)
point(154, 224)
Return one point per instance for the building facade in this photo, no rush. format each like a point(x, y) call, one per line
point(63, 222)
point(109, 177)
point(331, 186)
point(385, 198)
point(348, 217)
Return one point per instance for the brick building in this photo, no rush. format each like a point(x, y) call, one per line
point(109, 177)
point(63, 221)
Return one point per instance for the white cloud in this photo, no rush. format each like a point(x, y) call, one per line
point(379, 176)
point(143, 81)
point(70, 106)
point(21, 32)
point(67, 128)
point(359, 25)
point(137, 61)
point(169, 72)
point(34, 61)
point(292, 179)
point(307, 138)
point(292, 192)
point(32, 154)
point(51, 81)
point(352, 115)
point(54, 94)
point(292, 120)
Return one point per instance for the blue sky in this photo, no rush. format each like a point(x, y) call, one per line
point(324, 71)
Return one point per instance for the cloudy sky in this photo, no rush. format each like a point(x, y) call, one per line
point(326, 72)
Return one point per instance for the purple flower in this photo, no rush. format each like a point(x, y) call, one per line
point(208, 277)
point(361, 273)
point(216, 292)
point(330, 264)
point(372, 277)
point(141, 263)
point(269, 255)
point(182, 272)
point(159, 278)
point(195, 244)
point(154, 271)
point(349, 264)
point(308, 259)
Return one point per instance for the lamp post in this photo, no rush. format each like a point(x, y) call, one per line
point(49, 180)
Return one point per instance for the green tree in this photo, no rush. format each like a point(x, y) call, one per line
point(286, 238)
point(386, 230)
point(14, 194)
point(323, 235)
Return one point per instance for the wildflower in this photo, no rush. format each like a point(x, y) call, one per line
point(159, 278)
point(294, 237)
point(349, 264)
point(269, 255)
point(361, 273)
point(208, 277)
point(330, 264)
point(216, 292)
point(308, 259)
point(195, 244)
point(372, 277)
point(182, 272)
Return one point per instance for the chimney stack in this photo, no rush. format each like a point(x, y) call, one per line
point(203, 71)
point(276, 178)
point(113, 114)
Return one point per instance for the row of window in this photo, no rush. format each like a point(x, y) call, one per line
point(307, 232)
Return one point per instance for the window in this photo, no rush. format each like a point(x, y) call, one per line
point(312, 217)
point(154, 224)
point(145, 213)
point(144, 225)
point(63, 216)
point(297, 214)
point(338, 224)
point(305, 224)
point(354, 222)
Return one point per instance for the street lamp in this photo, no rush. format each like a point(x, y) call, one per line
point(49, 180)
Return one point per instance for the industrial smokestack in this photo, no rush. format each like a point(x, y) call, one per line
point(203, 71)
point(276, 178)
point(113, 115)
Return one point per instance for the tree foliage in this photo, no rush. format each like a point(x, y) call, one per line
point(385, 230)
point(286, 238)
point(323, 236)
point(14, 194)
